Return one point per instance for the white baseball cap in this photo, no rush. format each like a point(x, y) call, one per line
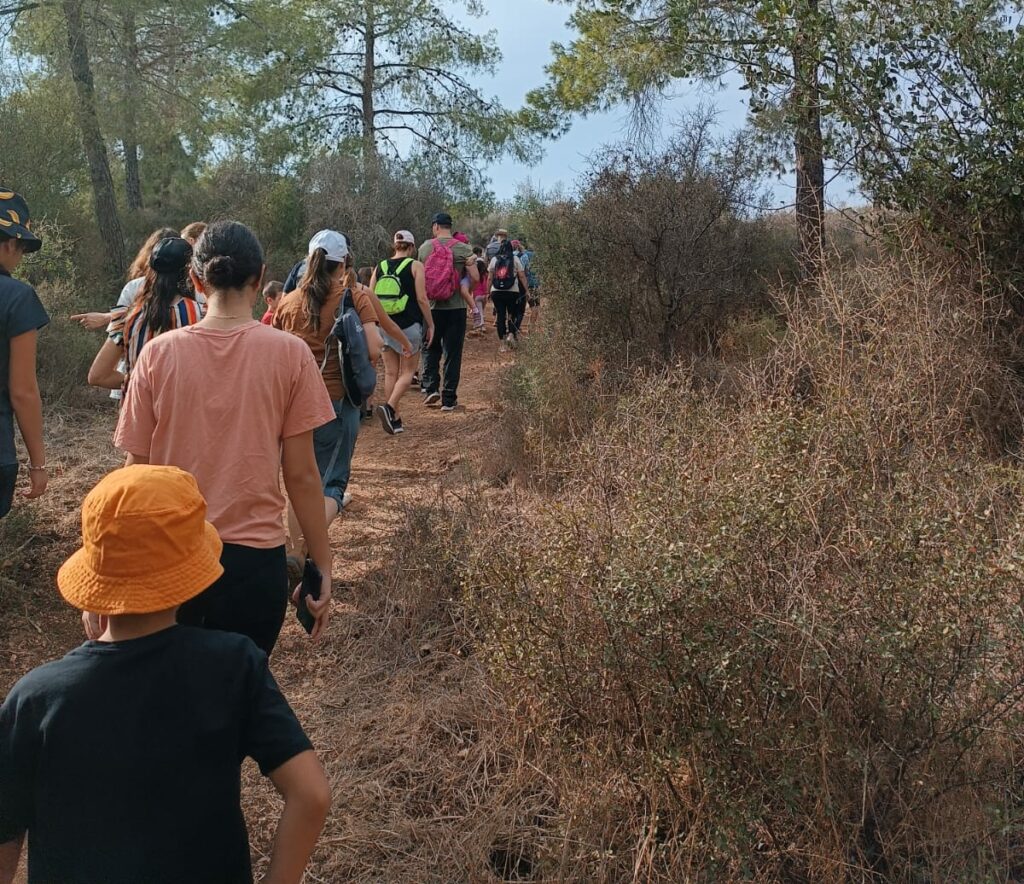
point(405, 236)
point(332, 242)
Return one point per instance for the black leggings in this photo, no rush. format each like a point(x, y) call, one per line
point(250, 597)
point(509, 308)
point(8, 481)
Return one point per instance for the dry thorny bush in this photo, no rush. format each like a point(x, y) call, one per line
point(660, 250)
point(430, 780)
point(778, 635)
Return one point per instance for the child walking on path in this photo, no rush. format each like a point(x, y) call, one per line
point(21, 317)
point(122, 760)
point(235, 403)
point(481, 290)
point(273, 291)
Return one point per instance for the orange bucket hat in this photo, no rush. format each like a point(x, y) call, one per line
point(146, 544)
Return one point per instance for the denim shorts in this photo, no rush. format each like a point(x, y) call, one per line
point(415, 335)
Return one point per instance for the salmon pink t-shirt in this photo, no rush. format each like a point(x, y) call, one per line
point(218, 403)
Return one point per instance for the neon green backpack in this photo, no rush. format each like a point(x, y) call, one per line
point(388, 288)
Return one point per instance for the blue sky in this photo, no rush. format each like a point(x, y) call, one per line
point(526, 29)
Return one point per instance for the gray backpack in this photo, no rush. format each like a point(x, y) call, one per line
point(357, 372)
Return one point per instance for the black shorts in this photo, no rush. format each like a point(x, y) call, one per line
point(250, 598)
point(8, 481)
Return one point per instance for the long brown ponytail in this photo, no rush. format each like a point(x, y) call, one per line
point(317, 284)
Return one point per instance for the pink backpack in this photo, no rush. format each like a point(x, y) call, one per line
point(441, 276)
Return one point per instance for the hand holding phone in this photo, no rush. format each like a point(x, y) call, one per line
point(312, 580)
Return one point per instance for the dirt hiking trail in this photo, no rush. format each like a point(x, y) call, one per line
point(397, 708)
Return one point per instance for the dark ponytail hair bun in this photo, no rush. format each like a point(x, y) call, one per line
point(228, 256)
point(221, 271)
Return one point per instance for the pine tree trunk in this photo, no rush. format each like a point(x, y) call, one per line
point(104, 201)
point(369, 124)
point(130, 137)
point(808, 143)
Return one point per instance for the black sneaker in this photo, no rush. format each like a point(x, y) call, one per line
point(432, 398)
point(387, 418)
point(451, 407)
point(397, 424)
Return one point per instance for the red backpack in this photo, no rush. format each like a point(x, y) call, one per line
point(441, 276)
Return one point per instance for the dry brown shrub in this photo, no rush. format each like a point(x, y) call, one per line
point(778, 635)
point(443, 792)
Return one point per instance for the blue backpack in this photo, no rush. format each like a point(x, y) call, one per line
point(357, 372)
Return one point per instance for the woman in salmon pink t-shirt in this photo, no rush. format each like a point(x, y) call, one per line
point(235, 403)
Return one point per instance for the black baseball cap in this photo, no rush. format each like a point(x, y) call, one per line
point(442, 219)
point(171, 255)
point(15, 222)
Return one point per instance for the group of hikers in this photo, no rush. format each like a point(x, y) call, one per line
point(121, 762)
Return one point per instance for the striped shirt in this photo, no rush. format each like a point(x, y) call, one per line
point(131, 330)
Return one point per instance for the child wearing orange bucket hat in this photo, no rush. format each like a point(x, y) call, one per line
point(122, 761)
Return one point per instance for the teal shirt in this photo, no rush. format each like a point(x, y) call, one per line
point(461, 253)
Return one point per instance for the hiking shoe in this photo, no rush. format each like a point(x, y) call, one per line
point(387, 418)
point(432, 398)
point(451, 407)
point(397, 423)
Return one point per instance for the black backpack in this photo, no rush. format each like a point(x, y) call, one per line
point(504, 276)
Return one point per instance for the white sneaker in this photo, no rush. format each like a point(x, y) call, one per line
point(346, 499)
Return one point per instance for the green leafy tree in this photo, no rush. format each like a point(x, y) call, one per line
point(921, 98)
point(157, 80)
point(930, 103)
point(380, 77)
point(104, 201)
point(630, 50)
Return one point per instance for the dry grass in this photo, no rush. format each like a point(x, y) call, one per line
point(429, 783)
point(35, 624)
point(430, 778)
point(776, 634)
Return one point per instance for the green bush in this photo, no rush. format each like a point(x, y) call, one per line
point(778, 635)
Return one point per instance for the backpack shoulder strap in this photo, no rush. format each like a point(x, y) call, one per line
point(406, 263)
point(331, 335)
point(384, 266)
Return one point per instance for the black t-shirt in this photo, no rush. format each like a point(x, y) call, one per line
point(412, 312)
point(20, 312)
point(123, 760)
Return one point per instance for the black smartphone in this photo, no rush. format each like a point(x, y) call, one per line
point(311, 582)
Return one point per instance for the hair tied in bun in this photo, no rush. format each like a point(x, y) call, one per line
point(228, 256)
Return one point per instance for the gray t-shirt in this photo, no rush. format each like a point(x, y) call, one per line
point(461, 253)
point(20, 311)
